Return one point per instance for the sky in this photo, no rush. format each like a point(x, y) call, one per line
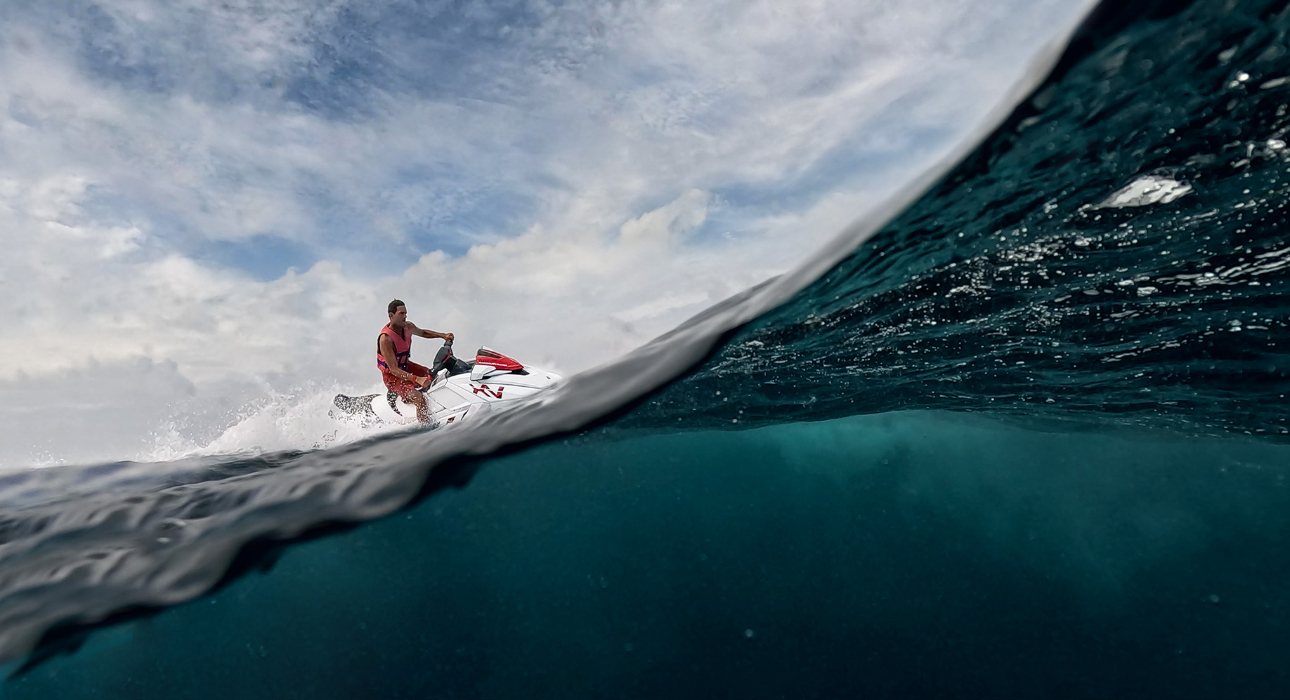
point(205, 207)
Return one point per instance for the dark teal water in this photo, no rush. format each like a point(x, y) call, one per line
point(1029, 439)
point(901, 555)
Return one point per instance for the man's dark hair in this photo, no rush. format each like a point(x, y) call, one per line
point(394, 305)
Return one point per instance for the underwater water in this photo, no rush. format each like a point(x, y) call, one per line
point(1027, 439)
point(898, 555)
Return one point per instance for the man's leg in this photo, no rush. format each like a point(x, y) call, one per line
point(419, 400)
point(423, 410)
point(409, 394)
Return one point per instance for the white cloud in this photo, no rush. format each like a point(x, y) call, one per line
point(596, 173)
point(666, 226)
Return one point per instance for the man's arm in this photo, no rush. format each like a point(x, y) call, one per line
point(387, 352)
point(425, 333)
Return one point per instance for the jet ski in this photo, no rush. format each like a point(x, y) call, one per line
point(461, 388)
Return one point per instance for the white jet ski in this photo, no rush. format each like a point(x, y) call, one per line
point(460, 389)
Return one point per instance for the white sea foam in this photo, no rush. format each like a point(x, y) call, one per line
point(1146, 190)
point(296, 421)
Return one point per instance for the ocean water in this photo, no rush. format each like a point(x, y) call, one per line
point(1024, 435)
point(902, 554)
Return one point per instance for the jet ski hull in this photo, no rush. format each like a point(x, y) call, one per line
point(491, 383)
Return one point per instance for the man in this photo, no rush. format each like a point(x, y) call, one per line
point(393, 356)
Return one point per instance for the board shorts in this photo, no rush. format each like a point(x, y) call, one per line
point(402, 387)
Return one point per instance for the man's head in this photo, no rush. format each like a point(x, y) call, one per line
point(398, 313)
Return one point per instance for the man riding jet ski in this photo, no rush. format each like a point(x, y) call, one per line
point(449, 390)
point(402, 376)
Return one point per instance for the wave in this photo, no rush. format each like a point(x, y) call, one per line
point(1115, 253)
point(1018, 244)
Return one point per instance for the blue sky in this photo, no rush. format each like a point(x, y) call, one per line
point(229, 192)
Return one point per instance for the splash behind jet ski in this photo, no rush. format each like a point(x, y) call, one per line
point(461, 388)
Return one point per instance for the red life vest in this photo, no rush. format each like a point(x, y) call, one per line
point(402, 349)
